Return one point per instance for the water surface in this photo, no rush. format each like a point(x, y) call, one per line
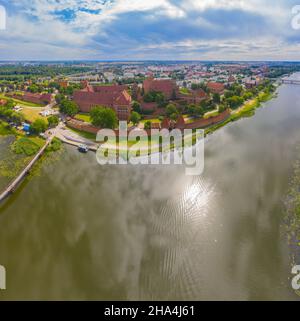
point(82, 231)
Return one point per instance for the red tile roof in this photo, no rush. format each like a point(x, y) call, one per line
point(216, 87)
point(115, 97)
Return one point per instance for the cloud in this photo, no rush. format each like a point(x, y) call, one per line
point(156, 29)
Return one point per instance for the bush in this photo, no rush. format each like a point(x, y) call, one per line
point(25, 146)
point(55, 145)
point(38, 126)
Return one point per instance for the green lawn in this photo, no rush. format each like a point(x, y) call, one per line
point(211, 114)
point(83, 134)
point(84, 117)
point(153, 120)
point(32, 114)
point(184, 91)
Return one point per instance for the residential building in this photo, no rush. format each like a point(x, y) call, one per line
point(216, 87)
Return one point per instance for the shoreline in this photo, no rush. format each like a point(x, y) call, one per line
point(246, 110)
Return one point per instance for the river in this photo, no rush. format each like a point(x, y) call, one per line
point(84, 231)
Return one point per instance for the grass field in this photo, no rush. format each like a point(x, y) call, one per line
point(32, 114)
point(27, 146)
point(83, 134)
point(153, 120)
point(84, 117)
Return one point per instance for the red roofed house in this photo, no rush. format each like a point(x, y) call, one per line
point(167, 86)
point(115, 97)
point(216, 87)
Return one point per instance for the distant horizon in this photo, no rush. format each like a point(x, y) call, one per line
point(151, 60)
point(138, 30)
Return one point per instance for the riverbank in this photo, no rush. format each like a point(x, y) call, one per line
point(292, 219)
point(18, 150)
point(247, 110)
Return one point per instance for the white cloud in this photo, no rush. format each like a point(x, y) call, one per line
point(34, 30)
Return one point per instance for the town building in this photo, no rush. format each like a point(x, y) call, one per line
point(114, 96)
point(166, 86)
point(216, 87)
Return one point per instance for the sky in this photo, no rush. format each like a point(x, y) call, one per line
point(150, 30)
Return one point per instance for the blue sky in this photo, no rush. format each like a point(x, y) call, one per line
point(149, 29)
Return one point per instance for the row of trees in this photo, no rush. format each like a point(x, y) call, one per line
point(40, 125)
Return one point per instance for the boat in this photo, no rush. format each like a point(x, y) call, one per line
point(83, 148)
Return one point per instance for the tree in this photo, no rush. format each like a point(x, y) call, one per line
point(160, 99)
point(53, 121)
point(135, 117)
point(59, 98)
point(235, 101)
point(68, 107)
point(10, 104)
point(216, 98)
point(195, 110)
point(222, 108)
point(17, 118)
point(174, 116)
point(147, 124)
point(33, 88)
point(39, 126)
point(171, 109)
point(136, 106)
point(103, 117)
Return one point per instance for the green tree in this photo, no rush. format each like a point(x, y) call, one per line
point(135, 117)
point(174, 116)
point(171, 109)
point(39, 126)
point(68, 107)
point(59, 98)
point(33, 88)
point(53, 121)
point(103, 117)
point(235, 101)
point(147, 124)
point(196, 110)
point(10, 104)
point(222, 108)
point(136, 106)
point(216, 98)
point(17, 118)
